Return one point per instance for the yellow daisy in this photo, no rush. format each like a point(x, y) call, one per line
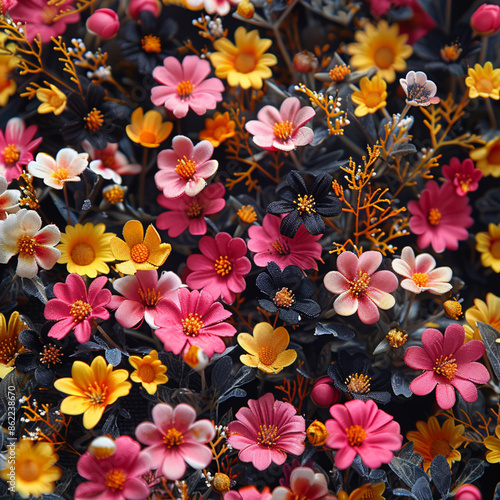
point(9, 341)
point(364, 492)
point(488, 157)
point(148, 130)
point(138, 251)
point(382, 47)
point(149, 371)
point(243, 63)
point(52, 99)
point(85, 249)
point(372, 95)
point(7, 63)
point(493, 445)
point(488, 243)
point(483, 81)
point(486, 312)
point(218, 129)
point(266, 349)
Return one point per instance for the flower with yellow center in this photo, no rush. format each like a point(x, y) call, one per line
point(488, 157)
point(266, 348)
point(431, 440)
point(7, 64)
point(382, 47)
point(245, 62)
point(488, 243)
point(483, 81)
point(372, 95)
point(365, 492)
point(148, 130)
point(492, 443)
point(149, 371)
point(140, 253)
point(9, 341)
point(91, 389)
point(218, 129)
point(485, 312)
point(85, 249)
point(52, 99)
point(35, 469)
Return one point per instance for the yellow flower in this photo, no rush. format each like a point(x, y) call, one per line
point(365, 492)
point(382, 47)
point(85, 249)
point(488, 243)
point(91, 389)
point(218, 129)
point(7, 63)
point(148, 130)
point(316, 433)
point(267, 348)
point(372, 95)
point(483, 81)
point(245, 63)
point(488, 158)
point(493, 444)
point(140, 253)
point(431, 440)
point(35, 471)
point(149, 371)
point(9, 341)
point(488, 313)
point(52, 99)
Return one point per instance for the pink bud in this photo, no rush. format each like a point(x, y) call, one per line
point(324, 393)
point(305, 62)
point(486, 19)
point(104, 23)
point(135, 7)
point(468, 492)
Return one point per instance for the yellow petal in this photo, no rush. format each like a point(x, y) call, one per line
point(133, 232)
point(73, 405)
point(248, 343)
point(92, 416)
point(119, 249)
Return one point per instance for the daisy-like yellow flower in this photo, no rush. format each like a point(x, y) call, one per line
point(243, 63)
point(493, 445)
point(140, 253)
point(266, 348)
point(372, 95)
point(149, 371)
point(218, 129)
point(91, 389)
point(9, 341)
point(365, 492)
point(7, 63)
point(85, 249)
point(488, 243)
point(52, 99)
point(486, 312)
point(488, 158)
point(380, 46)
point(148, 130)
point(483, 81)
point(35, 472)
point(431, 440)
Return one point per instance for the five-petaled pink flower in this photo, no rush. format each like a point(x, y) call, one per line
point(184, 168)
point(282, 130)
point(304, 484)
point(184, 86)
point(361, 289)
point(220, 268)
point(266, 431)
point(74, 308)
point(174, 439)
point(464, 175)
point(448, 364)
point(361, 428)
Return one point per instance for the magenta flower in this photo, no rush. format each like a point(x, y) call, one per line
point(219, 270)
point(266, 431)
point(74, 308)
point(184, 168)
point(361, 428)
point(197, 320)
point(115, 477)
point(304, 484)
point(448, 364)
point(440, 217)
point(361, 289)
point(174, 439)
point(282, 130)
point(184, 86)
point(464, 175)
point(270, 245)
point(142, 292)
point(189, 212)
point(16, 147)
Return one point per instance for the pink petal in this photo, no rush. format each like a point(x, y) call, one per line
point(418, 358)
point(346, 304)
point(336, 282)
point(370, 261)
point(424, 384)
point(445, 395)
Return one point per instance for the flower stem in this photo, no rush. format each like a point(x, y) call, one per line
point(66, 200)
point(109, 339)
point(6, 289)
point(448, 17)
point(408, 309)
point(142, 181)
point(484, 49)
point(491, 115)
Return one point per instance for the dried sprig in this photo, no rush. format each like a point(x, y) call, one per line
point(299, 388)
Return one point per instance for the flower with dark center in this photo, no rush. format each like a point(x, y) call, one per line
point(305, 205)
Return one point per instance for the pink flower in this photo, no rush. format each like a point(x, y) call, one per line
point(282, 130)
point(304, 483)
point(361, 289)
point(420, 273)
point(184, 168)
point(440, 217)
point(184, 86)
point(248, 493)
point(197, 320)
point(189, 212)
point(448, 363)
point(104, 23)
point(74, 308)
point(9, 199)
point(221, 7)
point(361, 428)
point(115, 477)
point(486, 19)
point(266, 431)
point(221, 267)
point(135, 7)
point(175, 439)
point(270, 245)
point(465, 176)
point(16, 147)
point(142, 292)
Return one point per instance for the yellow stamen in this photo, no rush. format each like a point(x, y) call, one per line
point(446, 366)
point(267, 435)
point(185, 88)
point(115, 479)
point(139, 253)
point(151, 43)
point(192, 324)
point(94, 120)
point(283, 130)
point(11, 154)
point(355, 435)
point(434, 216)
point(284, 298)
point(185, 168)
point(358, 383)
point(83, 254)
point(150, 297)
point(420, 279)
point(223, 265)
point(27, 245)
point(305, 204)
point(396, 338)
point(173, 437)
point(80, 310)
point(360, 284)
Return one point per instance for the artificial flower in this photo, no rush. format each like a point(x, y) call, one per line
point(419, 91)
point(306, 484)
point(149, 371)
point(219, 7)
point(53, 100)
point(218, 129)
point(9, 199)
point(371, 96)
point(488, 244)
point(10, 344)
point(486, 19)
point(492, 444)
point(365, 491)
point(487, 158)
point(8, 61)
point(149, 130)
point(483, 81)
point(114, 194)
point(464, 176)
point(485, 312)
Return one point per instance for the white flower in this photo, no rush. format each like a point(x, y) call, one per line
point(9, 199)
point(221, 7)
point(419, 91)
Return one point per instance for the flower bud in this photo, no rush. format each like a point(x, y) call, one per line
point(246, 9)
point(221, 482)
point(316, 433)
point(305, 62)
point(453, 309)
point(135, 7)
point(102, 447)
point(486, 19)
point(468, 492)
point(324, 393)
point(104, 23)
point(196, 358)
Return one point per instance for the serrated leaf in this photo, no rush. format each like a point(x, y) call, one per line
point(473, 470)
point(421, 489)
point(336, 329)
point(113, 356)
point(489, 336)
point(407, 471)
point(441, 476)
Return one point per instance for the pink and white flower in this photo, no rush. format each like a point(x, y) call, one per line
point(419, 91)
point(219, 7)
point(304, 484)
point(464, 175)
point(9, 199)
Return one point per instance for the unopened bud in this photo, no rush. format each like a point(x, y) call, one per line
point(316, 433)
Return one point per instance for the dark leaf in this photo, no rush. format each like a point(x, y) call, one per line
point(496, 496)
point(441, 476)
point(400, 383)
point(403, 149)
point(421, 489)
point(35, 288)
point(407, 471)
point(400, 492)
point(336, 329)
point(407, 453)
point(473, 470)
point(221, 372)
point(489, 336)
point(234, 393)
point(113, 356)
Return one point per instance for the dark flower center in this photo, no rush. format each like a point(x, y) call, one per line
point(194, 210)
point(7, 350)
point(281, 246)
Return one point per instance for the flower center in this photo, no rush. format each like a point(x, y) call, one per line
point(219, 132)
point(173, 437)
point(194, 210)
point(96, 394)
point(446, 366)
point(80, 310)
point(267, 355)
point(150, 297)
point(221, 482)
point(48, 14)
point(245, 62)
point(146, 373)
point(283, 130)
point(373, 99)
point(284, 298)
point(11, 154)
point(339, 72)
point(355, 435)
point(484, 85)
point(114, 195)
point(360, 284)
point(192, 324)
point(55, 100)
point(464, 181)
point(7, 350)
point(83, 254)
point(185, 88)
point(139, 253)
point(358, 383)
point(440, 447)
point(115, 479)
point(27, 245)
point(417, 93)
point(61, 174)
point(185, 168)
point(94, 120)
point(151, 43)
point(396, 338)
point(450, 53)
point(51, 355)
point(494, 154)
point(247, 214)
point(267, 435)
point(495, 249)
point(281, 246)
point(223, 266)
point(305, 204)
point(434, 216)
point(109, 161)
point(28, 470)
point(420, 279)
point(147, 137)
point(384, 57)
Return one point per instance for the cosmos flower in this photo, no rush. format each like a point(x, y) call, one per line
point(419, 91)
point(464, 176)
